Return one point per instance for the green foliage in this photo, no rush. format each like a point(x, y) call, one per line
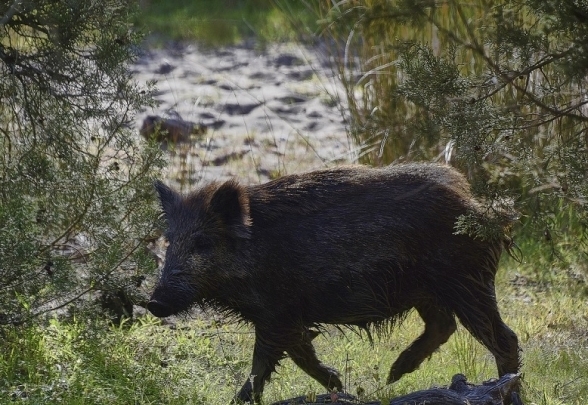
point(497, 88)
point(91, 362)
point(76, 199)
point(556, 248)
point(226, 22)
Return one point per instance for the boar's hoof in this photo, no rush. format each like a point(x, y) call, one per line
point(159, 309)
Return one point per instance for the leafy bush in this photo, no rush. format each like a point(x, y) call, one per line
point(496, 88)
point(76, 200)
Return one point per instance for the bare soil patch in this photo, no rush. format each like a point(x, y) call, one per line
point(268, 111)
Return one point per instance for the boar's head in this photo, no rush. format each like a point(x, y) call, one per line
point(204, 230)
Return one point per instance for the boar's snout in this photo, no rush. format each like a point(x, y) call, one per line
point(159, 309)
point(172, 295)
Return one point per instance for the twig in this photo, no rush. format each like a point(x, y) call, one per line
point(11, 12)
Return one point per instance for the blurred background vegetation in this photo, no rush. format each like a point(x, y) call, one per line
point(496, 88)
point(227, 22)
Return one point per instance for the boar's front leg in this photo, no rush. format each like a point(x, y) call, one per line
point(267, 353)
point(304, 356)
point(269, 350)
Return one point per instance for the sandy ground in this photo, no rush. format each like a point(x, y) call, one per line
point(267, 112)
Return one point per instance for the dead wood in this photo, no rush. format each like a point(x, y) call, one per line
point(502, 391)
point(174, 130)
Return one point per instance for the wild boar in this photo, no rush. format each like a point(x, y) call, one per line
point(353, 246)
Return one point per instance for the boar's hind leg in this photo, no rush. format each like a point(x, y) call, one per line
point(266, 356)
point(479, 314)
point(304, 356)
point(439, 326)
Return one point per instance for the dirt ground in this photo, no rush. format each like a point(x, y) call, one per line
point(267, 112)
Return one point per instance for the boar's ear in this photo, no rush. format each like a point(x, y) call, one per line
point(231, 202)
point(167, 197)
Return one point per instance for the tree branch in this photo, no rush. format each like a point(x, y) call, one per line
point(508, 78)
point(11, 12)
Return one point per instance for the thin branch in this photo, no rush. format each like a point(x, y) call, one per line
point(474, 46)
point(92, 287)
point(11, 12)
point(527, 71)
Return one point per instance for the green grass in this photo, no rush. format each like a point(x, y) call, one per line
point(204, 361)
point(225, 22)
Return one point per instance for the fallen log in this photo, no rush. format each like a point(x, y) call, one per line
point(501, 391)
point(170, 129)
point(460, 392)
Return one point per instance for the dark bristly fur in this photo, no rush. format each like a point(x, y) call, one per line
point(353, 246)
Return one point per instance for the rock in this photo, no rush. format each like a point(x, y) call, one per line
point(172, 130)
point(288, 60)
point(240, 109)
point(165, 68)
